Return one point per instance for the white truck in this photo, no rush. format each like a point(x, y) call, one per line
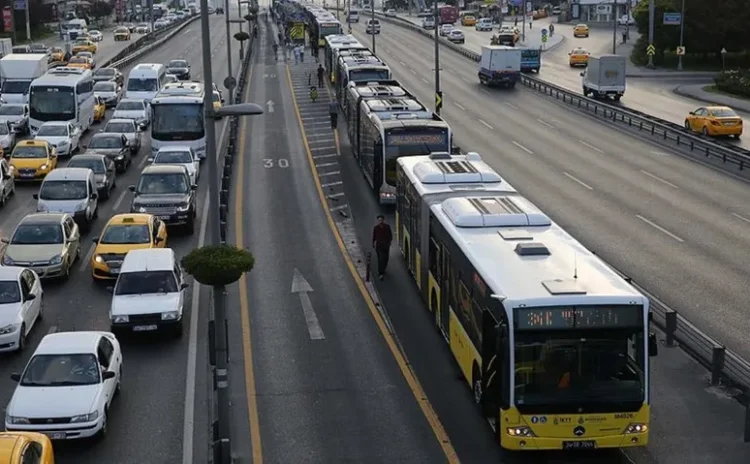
point(605, 77)
point(6, 47)
point(500, 66)
point(17, 70)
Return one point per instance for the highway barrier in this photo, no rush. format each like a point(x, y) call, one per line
point(722, 153)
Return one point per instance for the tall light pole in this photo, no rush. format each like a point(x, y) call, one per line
point(682, 35)
point(438, 92)
point(221, 374)
point(614, 27)
point(651, 12)
point(229, 46)
point(372, 22)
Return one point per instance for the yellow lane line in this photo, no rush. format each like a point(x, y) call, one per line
point(411, 378)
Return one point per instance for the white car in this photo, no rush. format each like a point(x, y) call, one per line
point(67, 386)
point(130, 108)
point(64, 136)
point(96, 36)
point(484, 24)
point(445, 29)
point(182, 156)
point(456, 36)
point(20, 306)
point(7, 137)
point(626, 20)
point(391, 13)
point(428, 23)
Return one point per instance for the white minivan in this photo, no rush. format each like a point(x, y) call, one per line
point(145, 81)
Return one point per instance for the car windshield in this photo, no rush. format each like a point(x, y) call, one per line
point(139, 283)
point(121, 30)
point(37, 234)
point(120, 127)
point(105, 72)
point(39, 47)
point(724, 113)
point(173, 157)
point(78, 59)
point(106, 142)
point(61, 370)
point(104, 87)
point(120, 234)
point(11, 110)
point(129, 105)
point(53, 130)
point(94, 32)
point(29, 152)
point(95, 165)
point(16, 86)
point(83, 43)
point(63, 190)
point(9, 292)
point(177, 64)
point(160, 184)
point(143, 85)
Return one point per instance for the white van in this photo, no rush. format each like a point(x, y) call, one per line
point(72, 191)
point(76, 27)
point(145, 81)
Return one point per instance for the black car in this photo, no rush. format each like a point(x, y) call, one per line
point(109, 74)
point(219, 10)
point(179, 68)
point(166, 192)
point(104, 171)
point(114, 147)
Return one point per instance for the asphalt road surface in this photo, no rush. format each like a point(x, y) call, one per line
point(146, 423)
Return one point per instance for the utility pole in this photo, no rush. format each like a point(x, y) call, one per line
point(348, 13)
point(524, 12)
point(338, 17)
point(229, 49)
point(614, 27)
point(28, 21)
point(438, 92)
point(682, 34)
point(651, 12)
point(372, 17)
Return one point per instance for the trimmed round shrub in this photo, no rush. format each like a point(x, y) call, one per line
point(218, 264)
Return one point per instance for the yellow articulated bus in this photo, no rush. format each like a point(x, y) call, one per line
point(553, 343)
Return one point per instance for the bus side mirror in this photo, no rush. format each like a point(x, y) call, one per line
point(653, 345)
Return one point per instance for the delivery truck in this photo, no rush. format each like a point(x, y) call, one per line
point(17, 70)
point(604, 77)
point(500, 65)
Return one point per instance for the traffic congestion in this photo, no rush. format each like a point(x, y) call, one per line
point(99, 164)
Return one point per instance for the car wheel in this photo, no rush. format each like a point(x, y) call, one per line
point(190, 227)
point(2, 198)
point(66, 275)
point(687, 125)
point(118, 388)
point(103, 431)
point(705, 131)
point(22, 338)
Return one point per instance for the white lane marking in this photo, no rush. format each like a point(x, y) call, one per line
point(659, 228)
point(332, 173)
point(578, 181)
point(486, 125)
point(586, 144)
point(465, 79)
point(523, 148)
point(659, 153)
point(655, 177)
point(302, 287)
point(741, 217)
point(402, 63)
point(459, 105)
point(511, 105)
point(339, 208)
point(335, 195)
point(425, 81)
point(87, 259)
point(332, 184)
point(52, 330)
point(413, 72)
point(543, 122)
point(186, 32)
point(326, 164)
point(116, 206)
point(485, 92)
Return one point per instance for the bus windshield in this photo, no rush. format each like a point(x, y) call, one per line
point(368, 75)
point(412, 142)
point(572, 369)
point(178, 122)
point(52, 103)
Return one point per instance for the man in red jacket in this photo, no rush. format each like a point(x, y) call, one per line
point(381, 241)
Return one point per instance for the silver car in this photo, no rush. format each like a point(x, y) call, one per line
point(7, 137)
point(109, 91)
point(131, 108)
point(130, 129)
point(17, 115)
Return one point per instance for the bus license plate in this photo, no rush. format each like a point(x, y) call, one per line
point(144, 328)
point(579, 445)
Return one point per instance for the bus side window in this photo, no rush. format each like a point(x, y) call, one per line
point(434, 259)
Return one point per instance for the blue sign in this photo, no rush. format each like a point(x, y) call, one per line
point(544, 31)
point(19, 4)
point(672, 19)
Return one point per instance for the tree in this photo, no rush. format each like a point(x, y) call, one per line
point(218, 264)
point(100, 9)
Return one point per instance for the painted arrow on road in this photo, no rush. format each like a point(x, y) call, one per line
point(270, 104)
point(302, 288)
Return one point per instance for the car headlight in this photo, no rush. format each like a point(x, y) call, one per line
point(98, 259)
point(16, 420)
point(170, 316)
point(12, 168)
point(119, 157)
point(141, 209)
point(124, 319)
point(8, 261)
point(43, 167)
point(183, 208)
point(64, 143)
point(10, 328)
point(57, 259)
point(90, 417)
point(41, 208)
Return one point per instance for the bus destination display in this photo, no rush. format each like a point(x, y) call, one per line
point(581, 317)
point(417, 139)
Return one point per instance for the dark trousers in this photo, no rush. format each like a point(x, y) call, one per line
point(383, 252)
point(320, 80)
point(334, 120)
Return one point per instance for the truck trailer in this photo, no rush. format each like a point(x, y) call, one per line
point(500, 65)
point(604, 77)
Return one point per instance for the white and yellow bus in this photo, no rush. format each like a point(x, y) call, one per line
point(553, 343)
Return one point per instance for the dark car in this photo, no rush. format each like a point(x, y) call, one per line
point(179, 68)
point(114, 147)
point(219, 10)
point(166, 192)
point(104, 171)
point(108, 74)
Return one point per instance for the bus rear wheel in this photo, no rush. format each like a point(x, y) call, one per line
point(477, 385)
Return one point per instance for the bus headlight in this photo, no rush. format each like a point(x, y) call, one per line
point(636, 428)
point(521, 431)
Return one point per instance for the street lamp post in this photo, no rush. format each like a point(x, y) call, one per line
point(372, 30)
point(214, 219)
point(229, 45)
point(614, 27)
point(438, 92)
point(682, 35)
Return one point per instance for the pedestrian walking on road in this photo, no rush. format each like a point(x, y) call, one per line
point(381, 241)
point(301, 49)
point(296, 54)
point(333, 110)
point(313, 93)
point(321, 73)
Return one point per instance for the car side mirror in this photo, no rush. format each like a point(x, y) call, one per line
point(106, 375)
point(31, 296)
point(35, 196)
point(653, 344)
point(193, 187)
point(150, 159)
point(183, 286)
point(222, 101)
point(582, 74)
point(84, 146)
point(158, 240)
point(111, 289)
point(143, 126)
point(94, 196)
point(692, 113)
point(15, 376)
point(95, 239)
point(131, 188)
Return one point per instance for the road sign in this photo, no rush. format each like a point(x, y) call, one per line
point(544, 31)
point(544, 39)
point(672, 19)
point(230, 83)
point(680, 51)
point(438, 101)
point(651, 50)
point(529, 7)
point(19, 4)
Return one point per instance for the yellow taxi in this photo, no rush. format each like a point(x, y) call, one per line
point(581, 30)
point(80, 62)
point(469, 20)
point(125, 232)
point(32, 160)
point(56, 54)
point(24, 447)
point(578, 57)
point(122, 33)
point(84, 46)
point(218, 101)
point(714, 121)
point(100, 109)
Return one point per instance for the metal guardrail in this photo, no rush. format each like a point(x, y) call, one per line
point(726, 367)
point(667, 131)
